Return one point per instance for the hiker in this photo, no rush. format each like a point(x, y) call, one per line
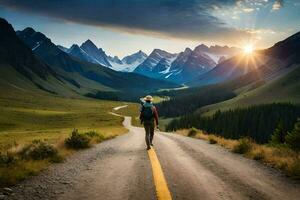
point(149, 118)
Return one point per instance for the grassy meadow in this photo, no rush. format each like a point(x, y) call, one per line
point(31, 115)
point(34, 116)
point(132, 110)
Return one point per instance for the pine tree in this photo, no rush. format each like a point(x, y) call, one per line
point(279, 134)
point(257, 122)
point(293, 138)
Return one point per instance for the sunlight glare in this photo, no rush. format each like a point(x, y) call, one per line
point(248, 49)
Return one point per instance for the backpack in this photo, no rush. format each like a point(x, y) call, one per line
point(147, 112)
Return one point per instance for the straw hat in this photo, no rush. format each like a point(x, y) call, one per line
point(148, 98)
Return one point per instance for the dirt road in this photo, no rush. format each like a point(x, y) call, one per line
point(121, 169)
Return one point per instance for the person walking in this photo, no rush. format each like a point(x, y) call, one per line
point(149, 118)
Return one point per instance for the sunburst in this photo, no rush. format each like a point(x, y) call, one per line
point(248, 49)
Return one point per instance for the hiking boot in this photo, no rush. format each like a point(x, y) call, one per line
point(151, 144)
point(148, 148)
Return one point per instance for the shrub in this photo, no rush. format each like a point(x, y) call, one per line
point(293, 138)
point(212, 139)
point(77, 141)
point(259, 155)
point(192, 132)
point(244, 146)
point(95, 136)
point(39, 150)
point(7, 159)
point(92, 134)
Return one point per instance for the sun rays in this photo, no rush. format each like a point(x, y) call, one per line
point(248, 49)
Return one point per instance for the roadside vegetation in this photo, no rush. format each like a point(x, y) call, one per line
point(85, 140)
point(19, 163)
point(281, 152)
point(35, 125)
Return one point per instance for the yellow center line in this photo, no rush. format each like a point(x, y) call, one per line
point(162, 190)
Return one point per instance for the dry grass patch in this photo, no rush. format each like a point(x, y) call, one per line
point(244, 146)
point(212, 139)
point(279, 157)
point(20, 170)
point(192, 132)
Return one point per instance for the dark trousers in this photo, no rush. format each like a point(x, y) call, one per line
point(149, 129)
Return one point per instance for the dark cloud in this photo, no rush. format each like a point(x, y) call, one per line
point(181, 19)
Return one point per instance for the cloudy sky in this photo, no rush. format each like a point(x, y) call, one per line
point(122, 27)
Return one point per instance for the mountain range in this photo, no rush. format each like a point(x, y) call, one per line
point(172, 67)
point(89, 52)
point(177, 68)
point(185, 66)
point(29, 60)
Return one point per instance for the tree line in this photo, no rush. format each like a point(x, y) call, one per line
point(257, 122)
point(187, 101)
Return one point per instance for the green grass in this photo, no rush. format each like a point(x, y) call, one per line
point(28, 115)
point(31, 115)
point(132, 110)
point(283, 89)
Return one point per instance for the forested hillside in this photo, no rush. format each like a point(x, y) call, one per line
point(186, 101)
point(257, 122)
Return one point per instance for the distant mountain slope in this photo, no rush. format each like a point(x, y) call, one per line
point(283, 89)
point(98, 54)
point(86, 77)
point(182, 67)
point(149, 66)
point(77, 52)
point(89, 52)
point(226, 70)
point(216, 52)
point(189, 64)
point(132, 61)
point(268, 61)
point(21, 69)
point(181, 59)
point(288, 49)
point(115, 59)
point(65, 49)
